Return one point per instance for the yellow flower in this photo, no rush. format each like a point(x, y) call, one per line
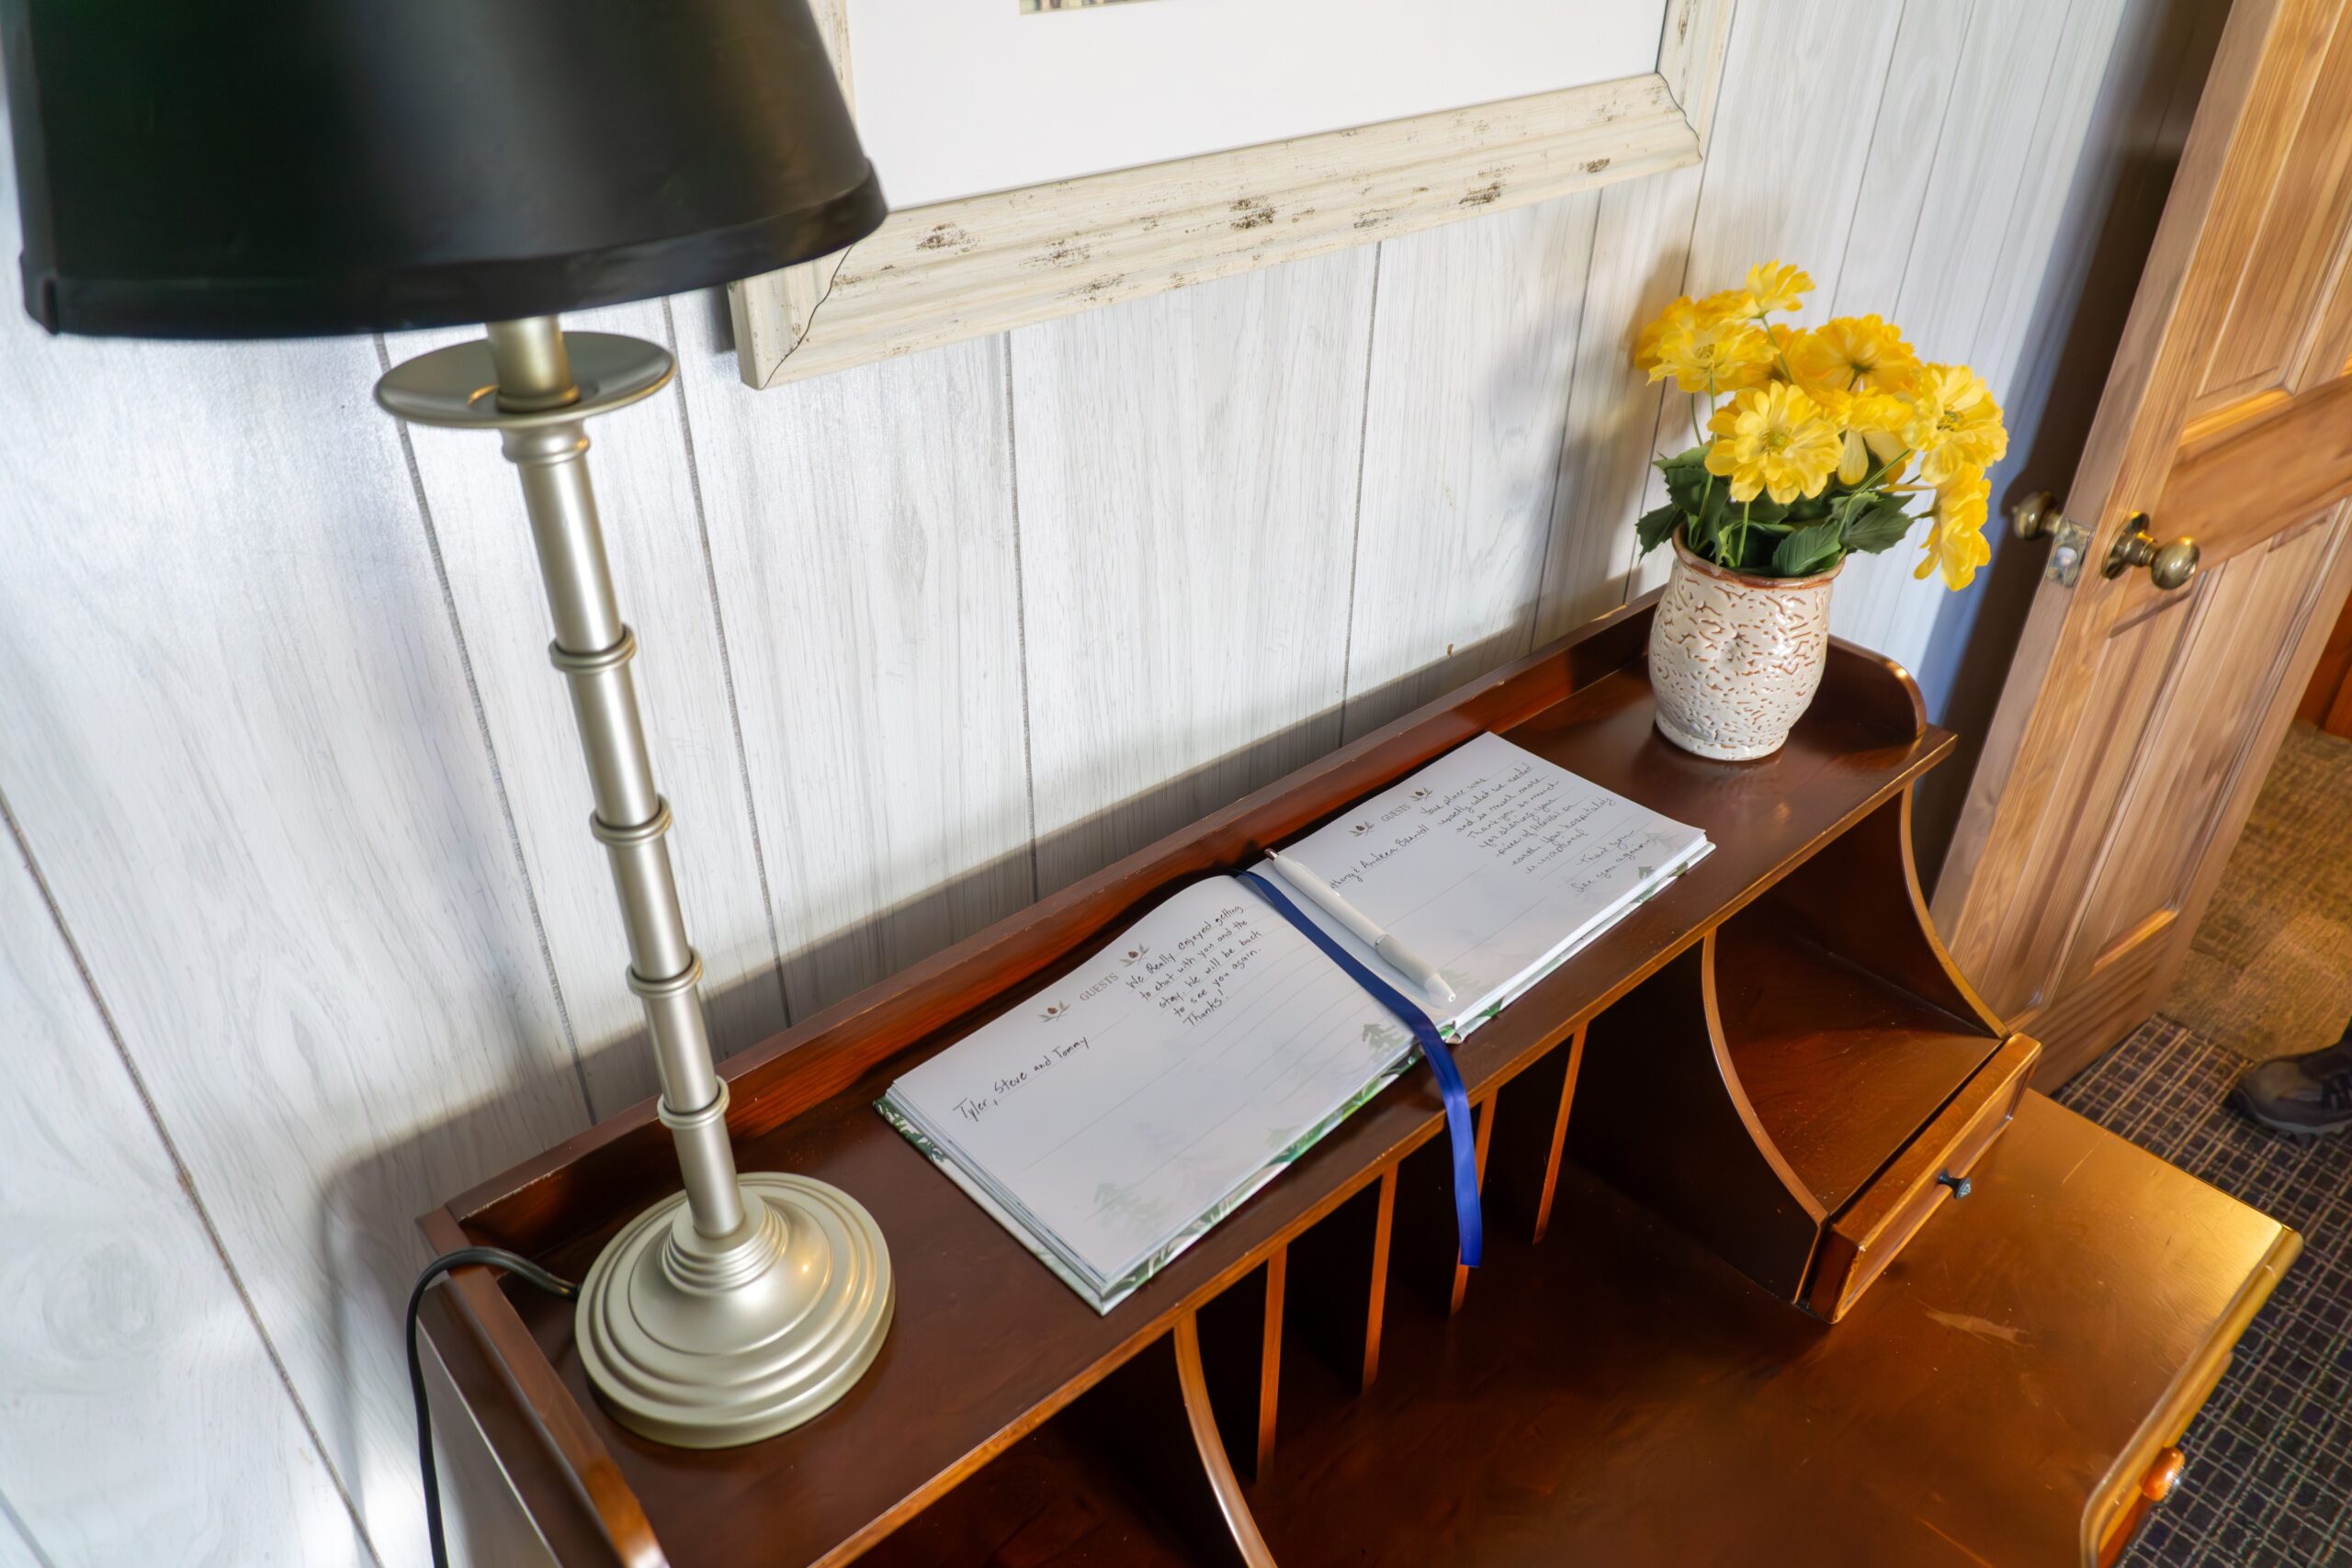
point(1853, 457)
point(1875, 424)
point(1954, 424)
point(1955, 542)
point(1784, 339)
point(1704, 349)
point(1645, 344)
point(1853, 353)
point(1773, 440)
point(1731, 305)
point(1776, 286)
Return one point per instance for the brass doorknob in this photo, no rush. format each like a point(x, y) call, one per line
point(2035, 515)
point(2169, 566)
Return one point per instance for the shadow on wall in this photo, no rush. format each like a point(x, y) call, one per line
point(485, 1527)
point(1079, 849)
point(1178, 802)
point(1605, 477)
point(2120, 197)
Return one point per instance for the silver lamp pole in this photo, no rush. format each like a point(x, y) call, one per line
point(745, 1304)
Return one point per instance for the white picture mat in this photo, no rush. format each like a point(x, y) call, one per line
point(958, 98)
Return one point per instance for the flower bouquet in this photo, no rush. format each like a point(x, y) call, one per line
point(1812, 445)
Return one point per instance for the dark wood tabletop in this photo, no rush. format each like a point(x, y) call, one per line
point(1617, 1395)
point(1619, 1345)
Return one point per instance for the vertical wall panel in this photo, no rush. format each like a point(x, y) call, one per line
point(1893, 228)
point(1188, 475)
point(1999, 218)
point(1906, 120)
point(639, 460)
point(1471, 355)
point(1801, 87)
point(2017, 54)
point(1641, 255)
point(2048, 226)
point(243, 748)
point(1640, 250)
point(1801, 83)
point(862, 528)
point(140, 1404)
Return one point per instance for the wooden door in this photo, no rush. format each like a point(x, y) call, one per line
point(2137, 722)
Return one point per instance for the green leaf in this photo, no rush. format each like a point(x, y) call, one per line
point(1703, 534)
point(1814, 548)
point(1764, 509)
point(1686, 478)
point(1654, 525)
point(1876, 524)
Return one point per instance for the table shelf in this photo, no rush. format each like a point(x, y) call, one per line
point(1684, 1058)
point(1842, 1067)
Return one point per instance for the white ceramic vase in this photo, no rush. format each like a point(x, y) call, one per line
point(1734, 659)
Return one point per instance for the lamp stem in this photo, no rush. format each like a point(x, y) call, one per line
point(745, 1304)
point(593, 646)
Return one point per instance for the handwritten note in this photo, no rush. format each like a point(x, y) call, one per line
point(1113, 1116)
point(1198, 975)
point(1150, 1086)
point(1494, 863)
point(1187, 979)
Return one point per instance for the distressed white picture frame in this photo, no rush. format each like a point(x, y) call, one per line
point(956, 269)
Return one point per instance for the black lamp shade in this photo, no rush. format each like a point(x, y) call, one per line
point(244, 168)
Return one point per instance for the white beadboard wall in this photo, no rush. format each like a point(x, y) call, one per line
point(300, 929)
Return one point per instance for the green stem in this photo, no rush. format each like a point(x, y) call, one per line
point(1764, 322)
point(1875, 474)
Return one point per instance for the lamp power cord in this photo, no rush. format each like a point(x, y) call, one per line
point(463, 1257)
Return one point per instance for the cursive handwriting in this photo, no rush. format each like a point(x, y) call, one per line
point(1189, 979)
point(973, 1107)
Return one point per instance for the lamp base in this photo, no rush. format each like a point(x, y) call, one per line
point(706, 1343)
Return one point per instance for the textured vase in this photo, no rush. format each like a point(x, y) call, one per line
point(1734, 659)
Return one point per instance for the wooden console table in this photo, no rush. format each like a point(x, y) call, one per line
point(1785, 1262)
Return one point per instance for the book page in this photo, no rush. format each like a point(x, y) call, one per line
point(1489, 864)
point(1117, 1107)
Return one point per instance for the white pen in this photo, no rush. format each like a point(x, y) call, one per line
point(1414, 968)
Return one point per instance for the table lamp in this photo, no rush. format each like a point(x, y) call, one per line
point(254, 171)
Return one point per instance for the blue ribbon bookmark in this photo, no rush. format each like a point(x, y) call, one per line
point(1449, 1078)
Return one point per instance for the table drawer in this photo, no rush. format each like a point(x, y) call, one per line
point(1862, 1239)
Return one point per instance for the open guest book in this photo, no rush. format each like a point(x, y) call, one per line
point(1111, 1119)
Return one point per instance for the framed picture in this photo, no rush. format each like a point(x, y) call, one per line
point(1045, 157)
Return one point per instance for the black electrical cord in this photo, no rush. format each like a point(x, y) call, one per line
point(464, 1256)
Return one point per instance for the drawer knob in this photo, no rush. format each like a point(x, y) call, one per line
point(1959, 1184)
point(2162, 1475)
